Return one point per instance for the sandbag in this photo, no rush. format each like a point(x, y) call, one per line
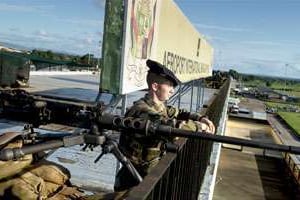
point(51, 172)
point(12, 167)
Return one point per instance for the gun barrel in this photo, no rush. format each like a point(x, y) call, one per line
point(167, 130)
point(16, 153)
point(146, 127)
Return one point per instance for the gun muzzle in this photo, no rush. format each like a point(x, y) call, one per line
point(126, 122)
point(11, 154)
point(16, 153)
point(139, 124)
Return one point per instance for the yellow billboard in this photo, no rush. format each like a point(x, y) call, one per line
point(158, 29)
point(180, 46)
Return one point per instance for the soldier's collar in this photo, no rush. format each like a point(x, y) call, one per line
point(150, 101)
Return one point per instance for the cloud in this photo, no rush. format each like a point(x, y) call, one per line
point(37, 39)
point(84, 22)
point(99, 33)
point(100, 3)
point(19, 8)
point(43, 37)
point(213, 38)
point(41, 33)
point(269, 67)
point(47, 38)
point(278, 43)
point(14, 29)
point(221, 28)
point(25, 8)
point(7, 37)
point(293, 68)
point(78, 22)
point(264, 62)
point(88, 40)
point(264, 43)
point(296, 57)
point(257, 60)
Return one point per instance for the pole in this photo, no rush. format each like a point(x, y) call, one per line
point(192, 96)
point(179, 96)
point(286, 65)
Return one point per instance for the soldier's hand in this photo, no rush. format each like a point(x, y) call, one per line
point(207, 125)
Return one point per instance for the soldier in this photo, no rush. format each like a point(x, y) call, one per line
point(145, 152)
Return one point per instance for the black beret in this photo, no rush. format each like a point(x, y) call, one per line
point(161, 70)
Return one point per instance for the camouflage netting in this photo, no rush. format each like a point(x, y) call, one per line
point(14, 69)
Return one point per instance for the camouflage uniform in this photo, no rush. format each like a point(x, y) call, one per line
point(145, 151)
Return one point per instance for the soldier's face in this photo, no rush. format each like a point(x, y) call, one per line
point(164, 91)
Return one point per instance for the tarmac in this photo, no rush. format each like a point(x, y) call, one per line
point(249, 173)
point(248, 176)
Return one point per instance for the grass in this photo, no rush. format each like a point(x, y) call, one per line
point(294, 93)
point(281, 86)
point(291, 88)
point(275, 105)
point(292, 119)
point(281, 106)
point(255, 83)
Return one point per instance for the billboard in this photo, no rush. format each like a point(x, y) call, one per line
point(157, 29)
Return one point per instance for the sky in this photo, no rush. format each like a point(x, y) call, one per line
point(71, 26)
point(250, 36)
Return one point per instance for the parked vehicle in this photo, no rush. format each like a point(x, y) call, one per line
point(234, 109)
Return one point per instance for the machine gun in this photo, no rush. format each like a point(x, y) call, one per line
point(147, 128)
point(46, 108)
point(35, 142)
point(98, 135)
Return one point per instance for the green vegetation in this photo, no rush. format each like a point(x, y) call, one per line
point(48, 58)
point(275, 105)
point(87, 59)
point(216, 80)
point(271, 82)
point(292, 119)
point(287, 108)
point(255, 83)
point(294, 93)
point(283, 106)
point(289, 86)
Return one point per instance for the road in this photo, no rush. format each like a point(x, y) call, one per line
point(284, 133)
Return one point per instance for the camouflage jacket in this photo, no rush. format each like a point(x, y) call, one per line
point(145, 151)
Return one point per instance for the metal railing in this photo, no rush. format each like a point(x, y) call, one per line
point(180, 175)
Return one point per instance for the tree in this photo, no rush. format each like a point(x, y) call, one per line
point(234, 74)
